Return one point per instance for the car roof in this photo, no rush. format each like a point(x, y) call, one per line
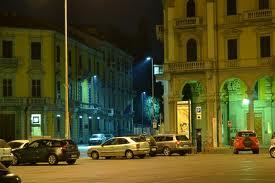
point(21, 141)
point(248, 131)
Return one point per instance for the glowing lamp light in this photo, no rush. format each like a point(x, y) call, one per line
point(98, 117)
point(90, 117)
point(245, 101)
point(58, 115)
point(80, 117)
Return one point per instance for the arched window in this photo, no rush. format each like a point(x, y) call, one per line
point(191, 12)
point(263, 4)
point(191, 50)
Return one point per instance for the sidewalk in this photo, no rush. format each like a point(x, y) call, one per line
point(227, 150)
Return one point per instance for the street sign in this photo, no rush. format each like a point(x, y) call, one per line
point(198, 116)
point(198, 112)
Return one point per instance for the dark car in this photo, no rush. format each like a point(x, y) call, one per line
point(246, 140)
point(7, 177)
point(152, 143)
point(47, 150)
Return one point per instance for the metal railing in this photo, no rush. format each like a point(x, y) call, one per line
point(258, 14)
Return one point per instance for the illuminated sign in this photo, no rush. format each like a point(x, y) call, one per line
point(183, 118)
point(36, 119)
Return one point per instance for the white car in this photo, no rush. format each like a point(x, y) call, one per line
point(120, 146)
point(18, 144)
point(6, 157)
point(272, 146)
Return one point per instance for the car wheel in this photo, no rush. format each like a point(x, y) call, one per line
point(167, 151)
point(142, 156)
point(52, 159)
point(236, 151)
point(129, 154)
point(15, 160)
point(95, 155)
point(272, 152)
point(71, 161)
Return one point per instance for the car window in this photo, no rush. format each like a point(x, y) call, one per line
point(14, 145)
point(138, 139)
point(109, 142)
point(160, 138)
point(34, 144)
point(169, 138)
point(246, 134)
point(181, 137)
point(3, 144)
point(121, 141)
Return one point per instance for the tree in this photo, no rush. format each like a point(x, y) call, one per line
point(149, 109)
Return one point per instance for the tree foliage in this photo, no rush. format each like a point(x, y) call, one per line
point(149, 109)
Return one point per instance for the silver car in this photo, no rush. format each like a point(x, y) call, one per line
point(272, 146)
point(120, 146)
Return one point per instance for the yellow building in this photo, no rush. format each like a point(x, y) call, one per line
point(32, 83)
point(219, 56)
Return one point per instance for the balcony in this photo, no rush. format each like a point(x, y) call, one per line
point(183, 67)
point(160, 32)
point(8, 63)
point(187, 22)
point(24, 101)
point(259, 14)
point(256, 63)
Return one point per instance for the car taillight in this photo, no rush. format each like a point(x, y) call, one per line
point(178, 142)
point(137, 146)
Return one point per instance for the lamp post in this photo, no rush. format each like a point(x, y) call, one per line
point(142, 109)
point(67, 123)
point(152, 77)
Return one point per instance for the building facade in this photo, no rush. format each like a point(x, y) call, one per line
point(32, 75)
point(219, 56)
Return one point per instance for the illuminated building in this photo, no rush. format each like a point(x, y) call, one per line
point(220, 56)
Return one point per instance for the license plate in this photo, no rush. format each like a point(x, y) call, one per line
point(153, 149)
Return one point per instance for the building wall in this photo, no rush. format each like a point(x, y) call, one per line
point(91, 99)
point(220, 77)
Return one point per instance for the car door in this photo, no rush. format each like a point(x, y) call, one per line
point(42, 150)
point(29, 154)
point(121, 145)
point(107, 148)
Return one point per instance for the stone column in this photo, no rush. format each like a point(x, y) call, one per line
point(250, 122)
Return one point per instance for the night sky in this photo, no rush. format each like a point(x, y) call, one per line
point(125, 15)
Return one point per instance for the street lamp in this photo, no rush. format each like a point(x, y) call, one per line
point(153, 109)
point(67, 123)
point(142, 109)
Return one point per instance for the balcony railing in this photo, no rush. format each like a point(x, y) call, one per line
point(8, 62)
point(17, 101)
point(245, 63)
point(160, 32)
point(258, 14)
point(187, 22)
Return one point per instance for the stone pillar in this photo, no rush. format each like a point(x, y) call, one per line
point(250, 122)
point(169, 23)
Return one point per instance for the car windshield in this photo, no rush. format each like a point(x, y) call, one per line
point(181, 137)
point(108, 135)
point(14, 145)
point(96, 135)
point(138, 139)
point(246, 134)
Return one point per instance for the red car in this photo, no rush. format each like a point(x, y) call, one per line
point(246, 140)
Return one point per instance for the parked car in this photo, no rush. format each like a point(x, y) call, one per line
point(108, 136)
point(152, 144)
point(173, 143)
point(120, 146)
point(246, 140)
point(6, 155)
point(97, 139)
point(47, 150)
point(7, 177)
point(18, 144)
point(272, 146)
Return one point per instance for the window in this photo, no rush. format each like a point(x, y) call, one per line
point(90, 90)
point(7, 88)
point(231, 7)
point(191, 50)
point(70, 58)
point(36, 90)
point(265, 46)
point(58, 54)
point(263, 4)
point(80, 92)
point(191, 12)
point(90, 65)
point(232, 49)
point(80, 127)
point(36, 50)
point(58, 90)
point(58, 124)
point(90, 125)
point(7, 49)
